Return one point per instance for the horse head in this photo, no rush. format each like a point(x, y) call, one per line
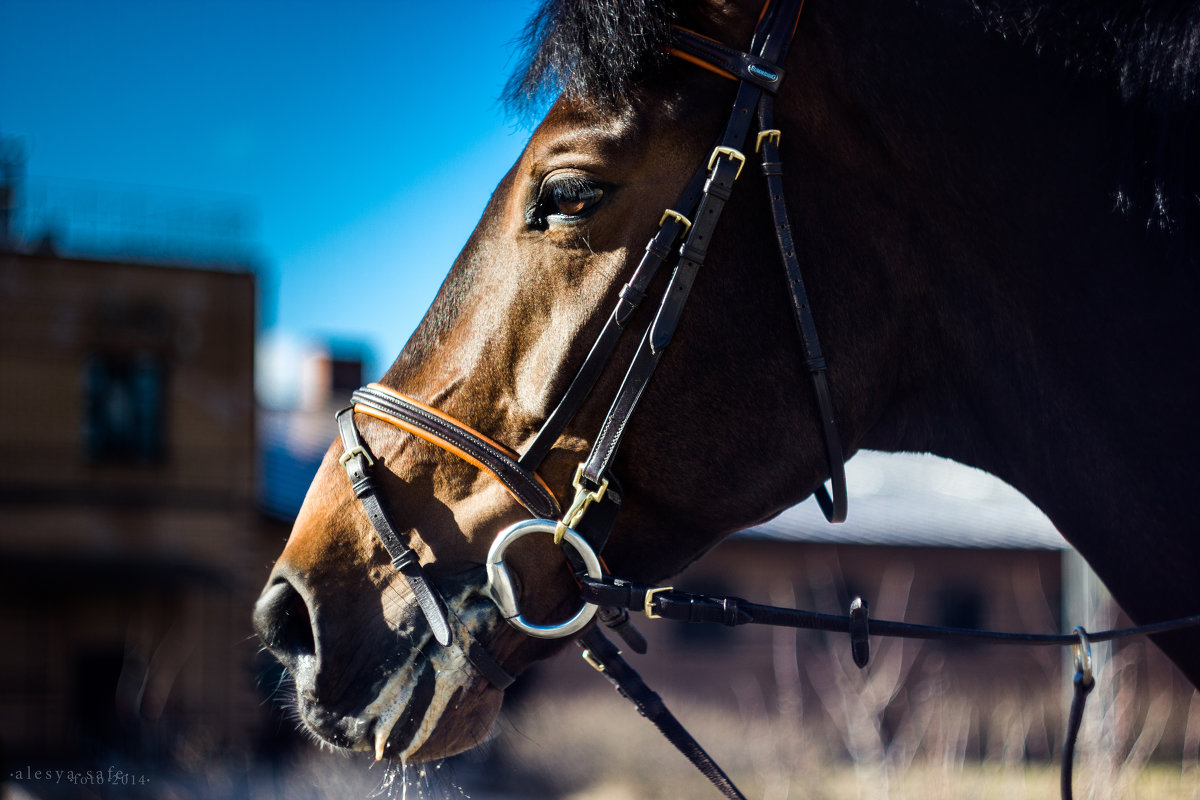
point(935, 305)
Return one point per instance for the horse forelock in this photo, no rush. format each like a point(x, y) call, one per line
point(593, 49)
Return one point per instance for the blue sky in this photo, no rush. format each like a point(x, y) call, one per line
point(364, 135)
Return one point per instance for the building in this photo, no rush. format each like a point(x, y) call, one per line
point(128, 547)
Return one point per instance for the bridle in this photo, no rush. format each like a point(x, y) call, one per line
point(585, 525)
point(691, 222)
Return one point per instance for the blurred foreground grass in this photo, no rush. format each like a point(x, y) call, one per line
point(920, 782)
point(592, 747)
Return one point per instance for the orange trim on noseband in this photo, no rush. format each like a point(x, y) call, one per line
point(442, 443)
point(762, 12)
point(799, 14)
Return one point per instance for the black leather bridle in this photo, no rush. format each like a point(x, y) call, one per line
point(586, 523)
point(691, 222)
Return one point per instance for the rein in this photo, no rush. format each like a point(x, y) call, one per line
point(583, 529)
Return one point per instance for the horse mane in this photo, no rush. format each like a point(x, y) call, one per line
point(1148, 55)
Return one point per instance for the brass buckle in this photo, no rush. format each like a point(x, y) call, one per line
point(583, 499)
point(648, 606)
point(732, 154)
point(593, 661)
point(671, 213)
point(357, 451)
point(769, 133)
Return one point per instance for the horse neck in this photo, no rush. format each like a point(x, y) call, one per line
point(1042, 326)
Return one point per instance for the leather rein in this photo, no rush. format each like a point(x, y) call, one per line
point(585, 525)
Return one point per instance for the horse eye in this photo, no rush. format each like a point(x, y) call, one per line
point(569, 198)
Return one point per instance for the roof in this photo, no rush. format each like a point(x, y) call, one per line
point(919, 500)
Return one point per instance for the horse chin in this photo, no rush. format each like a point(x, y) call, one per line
point(422, 712)
point(432, 710)
point(465, 721)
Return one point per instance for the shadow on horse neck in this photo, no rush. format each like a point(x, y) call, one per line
point(999, 241)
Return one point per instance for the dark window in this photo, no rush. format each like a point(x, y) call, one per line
point(124, 409)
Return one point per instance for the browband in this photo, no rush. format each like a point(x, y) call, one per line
point(724, 60)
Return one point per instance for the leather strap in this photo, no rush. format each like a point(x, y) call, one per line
point(770, 45)
point(526, 487)
point(631, 296)
point(668, 603)
point(487, 665)
point(477, 653)
point(658, 336)
point(358, 460)
point(722, 59)
point(1083, 686)
point(605, 657)
point(772, 166)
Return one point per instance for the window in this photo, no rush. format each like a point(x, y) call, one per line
point(123, 421)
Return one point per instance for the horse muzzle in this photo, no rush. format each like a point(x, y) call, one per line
point(378, 682)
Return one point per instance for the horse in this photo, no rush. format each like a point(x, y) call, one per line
point(995, 207)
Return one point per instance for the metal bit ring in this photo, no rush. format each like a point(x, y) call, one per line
point(500, 582)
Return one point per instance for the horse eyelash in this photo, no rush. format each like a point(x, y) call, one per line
point(574, 183)
point(534, 216)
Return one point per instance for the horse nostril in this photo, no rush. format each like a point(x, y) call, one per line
point(282, 621)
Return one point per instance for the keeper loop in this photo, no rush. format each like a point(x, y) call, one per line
point(1083, 657)
point(860, 642)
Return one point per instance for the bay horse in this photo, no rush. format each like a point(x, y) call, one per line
point(995, 208)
